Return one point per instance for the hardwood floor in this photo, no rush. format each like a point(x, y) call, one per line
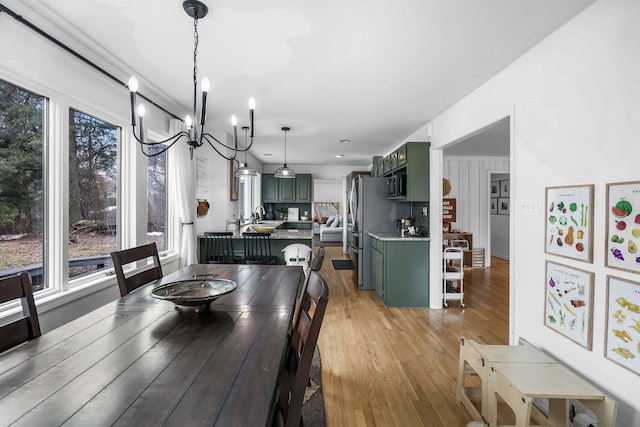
point(398, 367)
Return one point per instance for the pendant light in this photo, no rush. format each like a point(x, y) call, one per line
point(245, 170)
point(285, 171)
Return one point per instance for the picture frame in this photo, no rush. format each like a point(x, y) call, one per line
point(623, 226)
point(494, 205)
point(234, 181)
point(505, 188)
point(569, 302)
point(503, 206)
point(569, 222)
point(495, 188)
point(623, 323)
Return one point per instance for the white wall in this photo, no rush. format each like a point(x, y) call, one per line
point(576, 98)
point(327, 190)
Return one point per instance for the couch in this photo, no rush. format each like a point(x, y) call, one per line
point(331, 231)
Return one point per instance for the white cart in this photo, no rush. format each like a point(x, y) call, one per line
point(453, 276)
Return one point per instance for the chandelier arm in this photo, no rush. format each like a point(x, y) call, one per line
point(206, 136)
point(158, 143)
point(235, 153)
point(175, 137)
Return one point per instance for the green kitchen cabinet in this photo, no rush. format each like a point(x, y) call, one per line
point(400, 271)
point(304, 188)
point(287, 190)
point(269, 189)
point(412, 160)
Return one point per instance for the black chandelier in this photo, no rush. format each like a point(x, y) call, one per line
point(194, 138)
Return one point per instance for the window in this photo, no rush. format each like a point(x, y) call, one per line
point(157, 197)
point(93, 171)
point(21, 183)
point(245, 193)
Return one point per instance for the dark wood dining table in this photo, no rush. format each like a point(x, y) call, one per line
point(140, 361)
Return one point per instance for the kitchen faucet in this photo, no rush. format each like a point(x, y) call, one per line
point(259, 213)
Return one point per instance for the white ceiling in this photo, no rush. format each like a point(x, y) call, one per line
point(370, 71)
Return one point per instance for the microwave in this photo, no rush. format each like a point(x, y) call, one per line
point(397, 186)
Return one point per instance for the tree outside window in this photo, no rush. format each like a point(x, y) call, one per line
point(93, 155)
point(21, 184)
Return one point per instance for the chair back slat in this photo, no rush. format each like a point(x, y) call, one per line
point(316, 261)
point(128, 256)
point(257, 248)
point(219, 247)
point(27, 327)
point(304, 337)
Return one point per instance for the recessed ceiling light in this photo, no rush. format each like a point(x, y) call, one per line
point(339, 155)
point(268, 154)
point(345, 141)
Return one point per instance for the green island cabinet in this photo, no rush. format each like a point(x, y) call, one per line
point(287, 190)
point(400, 272)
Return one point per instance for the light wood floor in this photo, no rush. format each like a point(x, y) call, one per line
point(398, 367)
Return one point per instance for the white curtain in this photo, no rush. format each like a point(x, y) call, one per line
point(183, 170)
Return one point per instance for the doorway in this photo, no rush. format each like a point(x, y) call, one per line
point(475, 163)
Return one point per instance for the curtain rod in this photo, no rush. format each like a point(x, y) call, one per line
point(66, 48)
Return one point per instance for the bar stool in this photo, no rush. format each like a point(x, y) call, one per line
point(257, 248)
point(219, 248)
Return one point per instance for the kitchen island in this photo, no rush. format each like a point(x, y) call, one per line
point(284, 234)
point(400, 269)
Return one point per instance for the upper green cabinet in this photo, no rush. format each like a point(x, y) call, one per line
point(287, 190)
point(412, 160)
point(304, 188)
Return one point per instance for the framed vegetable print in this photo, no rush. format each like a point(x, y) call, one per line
point(569, 302)
point(623, 226)
point(569, 222)
point(623, 323)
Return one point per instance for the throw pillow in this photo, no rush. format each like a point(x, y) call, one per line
point(329, 223)
point(323, 220)
point(335, 224)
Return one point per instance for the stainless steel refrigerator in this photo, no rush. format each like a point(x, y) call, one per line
point(370, 211)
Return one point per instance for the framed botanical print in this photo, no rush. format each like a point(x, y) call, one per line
point(623, 226)
point(623, 323)
point(568, 306)
point(569, 222)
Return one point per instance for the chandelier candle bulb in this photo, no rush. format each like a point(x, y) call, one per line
point(234, 123)
point(141, 112)
point(252, 106)
point(205, 89)
point(133, 88)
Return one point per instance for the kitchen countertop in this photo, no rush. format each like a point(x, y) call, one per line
point(388, 236)
point(278, 234)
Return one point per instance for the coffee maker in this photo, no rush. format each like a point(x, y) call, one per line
point(406, 226)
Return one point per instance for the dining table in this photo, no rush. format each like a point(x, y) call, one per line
point(140, 360)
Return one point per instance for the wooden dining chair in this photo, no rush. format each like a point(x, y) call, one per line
point(127, 256)
point(257, 248)
point(219, 247)
point(316, 261)
point(27, 327)
point(302, 344)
